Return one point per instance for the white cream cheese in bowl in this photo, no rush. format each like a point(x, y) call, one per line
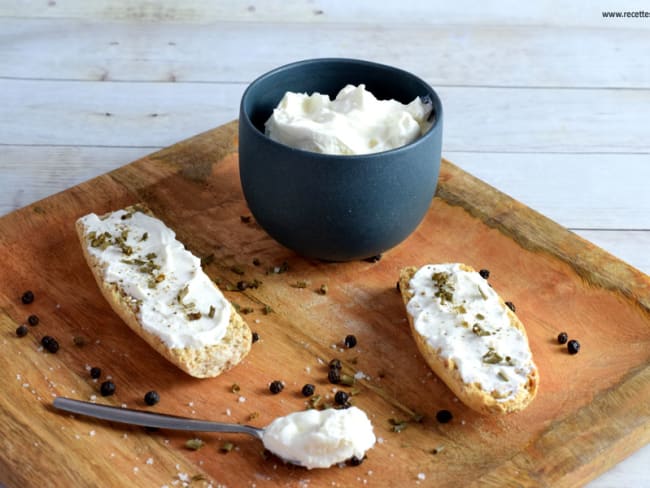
point(355, 122)
point(320, 439)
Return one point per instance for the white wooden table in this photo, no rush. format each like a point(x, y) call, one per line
point(547, 101)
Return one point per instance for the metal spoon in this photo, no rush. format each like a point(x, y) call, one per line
point(150, 419)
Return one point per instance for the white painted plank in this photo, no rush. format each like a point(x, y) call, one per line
point(112, 114)
point(476, 119)
point(432, 12)
point(586, 191)
point(28, 174)
point(576, 190)
point(236, 52)
point(629, 246)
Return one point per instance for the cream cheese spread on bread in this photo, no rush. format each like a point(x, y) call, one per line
point(463, 319)
point(175, 299)
point(319, 439)
point(355, 122)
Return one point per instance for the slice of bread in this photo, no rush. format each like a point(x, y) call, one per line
point(197, 359)
point(469, 337)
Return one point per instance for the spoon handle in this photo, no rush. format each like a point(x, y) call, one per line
point(150, 419)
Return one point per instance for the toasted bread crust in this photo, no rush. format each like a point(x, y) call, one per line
point(470, 394)
point(205, 362)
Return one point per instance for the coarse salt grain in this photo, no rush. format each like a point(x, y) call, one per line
point(91, 433)
point(228, 412)
point(135, 469)
point(241, 399)
point(422, 476)
point(150, 460)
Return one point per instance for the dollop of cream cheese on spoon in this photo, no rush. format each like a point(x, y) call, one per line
point(320, 439)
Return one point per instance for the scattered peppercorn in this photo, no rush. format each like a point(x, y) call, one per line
point(33, 320)
point(308, 390)
point(21, 331)
point(255, 337)
point(50, 344)
point(373, 259)
point(397, 287)
point(355, 461)
point(256, 262)
point(28, 297)
point(573, 346)
point(245, 218)
point(562, 338)
point(511, 306)
point(341, 397)
point(107, 388)
point(276, 387)
point(242, 285)
point(151, 398)
point(335, 364)
point(485, 273)
point(334, 376)
point(444, 416)
point(350, 341)
point(95, 372)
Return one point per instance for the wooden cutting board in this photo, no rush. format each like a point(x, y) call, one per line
point(591, 411)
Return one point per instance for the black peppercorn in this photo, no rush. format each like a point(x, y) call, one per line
point(562, 338)
point(511, 306)
point(107, 388)
point(33, 320)
point(255, 337)
point(334, 376)
point(573, 346)
point(95, 372)
point(485, 273)
point(341, 398)
point(350, 341)
point(50, 344)
point(308, 390)
point(151, 397)
point(276, 387)
point(21, 331)
point(242, 285)
point(355, 461)
point(444, 416)
point(28, 297)
point(335, 364)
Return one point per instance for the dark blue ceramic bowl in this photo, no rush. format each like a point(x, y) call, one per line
point(332, 207)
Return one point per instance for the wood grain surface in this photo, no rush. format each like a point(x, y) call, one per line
point(591, 411)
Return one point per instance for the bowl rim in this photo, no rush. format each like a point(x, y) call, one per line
point(435, 99)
